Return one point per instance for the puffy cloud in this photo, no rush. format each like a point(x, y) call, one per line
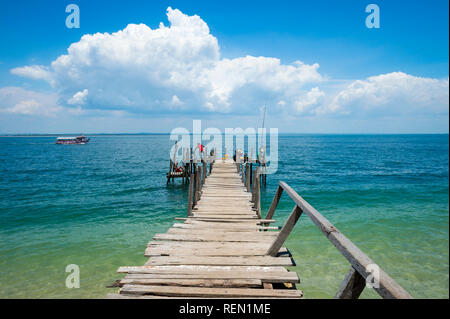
point(139, 69)
point(34, 72)
point(309, 100)
point(79, 98)
point(391, 94)
point(176, 101)
point(17, 100)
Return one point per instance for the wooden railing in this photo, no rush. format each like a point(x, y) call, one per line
point(362, 271)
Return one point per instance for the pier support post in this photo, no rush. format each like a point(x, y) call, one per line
point(199, 181)
point(285, 231)
point(195, 181)
point(247, 177)
point(191, 191)
point(254, 188)
point(352, 286)
point(258, 192)
point(205, 171)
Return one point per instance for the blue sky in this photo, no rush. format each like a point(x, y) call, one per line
point(388, 80)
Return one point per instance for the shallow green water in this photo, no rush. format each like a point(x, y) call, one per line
point(98, 205)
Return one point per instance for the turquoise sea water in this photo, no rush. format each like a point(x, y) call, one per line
point(97, 206)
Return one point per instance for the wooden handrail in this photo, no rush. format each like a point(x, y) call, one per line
point(385, 286)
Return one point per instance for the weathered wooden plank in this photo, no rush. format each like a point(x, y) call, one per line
point(189, 269)
point(213, 237)
point(224, 227)
point(226, 211)
point(224, 216)
point(192, 282)
point(209, 292)
point(224, 232)
point(224, 261)
point(231, 220)
point(227, 214)
point(156, 251)
point(273, 277)
point(200, 245)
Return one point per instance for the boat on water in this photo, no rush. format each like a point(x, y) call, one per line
point(72, 140)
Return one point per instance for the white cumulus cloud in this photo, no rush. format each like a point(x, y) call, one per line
point(79, 98)
point(17, 100)
point(139, 69)
point(35, 72)
point(392, 94)
point(311, 99)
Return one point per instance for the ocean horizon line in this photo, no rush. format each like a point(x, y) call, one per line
point(160, 133)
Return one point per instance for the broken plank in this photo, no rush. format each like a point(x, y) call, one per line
point(209, 292)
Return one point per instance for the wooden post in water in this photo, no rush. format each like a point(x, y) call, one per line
point(254, 188)
point(205, 171)
point(195, 181)
point(258, 192)
point(199, 183)
point(170, 171)
point(247, 177)
point(191, 190)
point(352, 286)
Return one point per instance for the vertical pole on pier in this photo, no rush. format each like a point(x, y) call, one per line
point(191, 160)
point(191, 190)
point(169, 173)
point(195, 183)
point(205, 171)
point(265, 175)
point(247, 177)
point(199, 183)
point(254, 187)
point(258, 192)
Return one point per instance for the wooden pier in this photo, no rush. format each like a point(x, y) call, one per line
point(223, 248)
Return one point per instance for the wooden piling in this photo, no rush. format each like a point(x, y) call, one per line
point(191, 191)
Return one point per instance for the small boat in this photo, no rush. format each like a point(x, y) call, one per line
point(72, 140)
